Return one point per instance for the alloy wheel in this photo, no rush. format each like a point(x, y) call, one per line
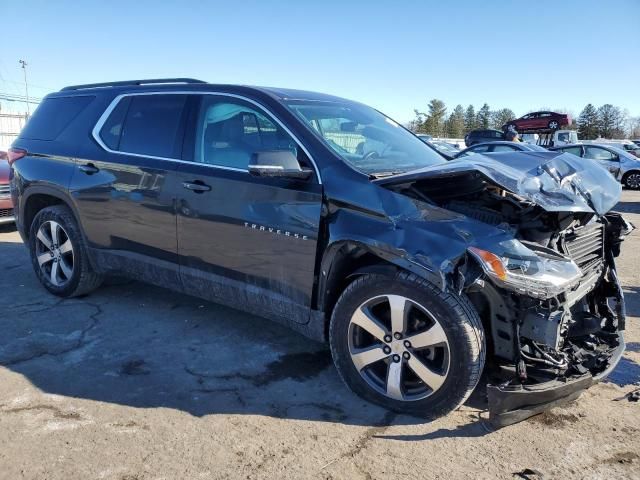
point(633, 180)
point(398, 347)
point(553, 125)
point(54, 253)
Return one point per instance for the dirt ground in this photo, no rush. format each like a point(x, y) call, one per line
point(136, 382)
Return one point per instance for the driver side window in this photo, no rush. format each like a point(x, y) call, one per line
point(230, 131)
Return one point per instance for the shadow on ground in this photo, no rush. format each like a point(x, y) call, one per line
point(7, 228)
point(627, 207)
point(146, 347)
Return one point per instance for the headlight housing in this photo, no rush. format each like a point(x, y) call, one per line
point(521, 270)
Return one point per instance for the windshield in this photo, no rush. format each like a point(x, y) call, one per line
point(366, 139)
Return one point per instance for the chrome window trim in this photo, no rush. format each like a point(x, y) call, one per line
point(95, 133)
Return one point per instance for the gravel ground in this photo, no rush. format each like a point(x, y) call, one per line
point(136, 382)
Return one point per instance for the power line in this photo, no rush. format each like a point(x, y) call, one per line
point(10, 97)
point(31, 85)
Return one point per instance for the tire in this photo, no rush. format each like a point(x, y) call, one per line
point(73, 276)
point(461, 330)
point(554, 125)
point(631, 180)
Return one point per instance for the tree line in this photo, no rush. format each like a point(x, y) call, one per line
point(437, 123)
point(607, 121)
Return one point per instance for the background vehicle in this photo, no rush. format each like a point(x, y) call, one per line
point(626, 145)
point(496, 147)
point(424, 137)
point(555, 139)
point(637, 141)
point(446, 148)
point(538, 121)
point(6, 205)
point(482, 136)
point(327, 216)
point(624, 166)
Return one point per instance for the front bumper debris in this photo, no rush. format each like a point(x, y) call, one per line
point(509, 404)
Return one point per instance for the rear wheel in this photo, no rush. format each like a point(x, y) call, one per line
point(59, 255)
point(554, 125)
point(407, 346)
point(632, 180)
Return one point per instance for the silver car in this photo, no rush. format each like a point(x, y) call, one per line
point(497, 147)
point(624, 166)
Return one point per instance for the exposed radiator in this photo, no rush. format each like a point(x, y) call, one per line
point(585, 246)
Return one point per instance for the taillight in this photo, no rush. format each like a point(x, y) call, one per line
point(15, 154)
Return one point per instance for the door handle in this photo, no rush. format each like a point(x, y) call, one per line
point(196, 186)
point(89, 168)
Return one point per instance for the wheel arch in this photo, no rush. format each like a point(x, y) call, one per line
point(39, 197)
point(345, 260)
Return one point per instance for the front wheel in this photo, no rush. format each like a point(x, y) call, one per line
point(59, 255)
point(403, 344)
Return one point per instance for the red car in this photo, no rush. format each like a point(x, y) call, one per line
point(6, 206)
point(539, 121)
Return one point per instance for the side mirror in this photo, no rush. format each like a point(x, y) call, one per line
point(277, 163)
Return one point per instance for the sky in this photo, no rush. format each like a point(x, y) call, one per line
point(392, 55)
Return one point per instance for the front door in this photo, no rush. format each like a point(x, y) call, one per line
point(248, 242)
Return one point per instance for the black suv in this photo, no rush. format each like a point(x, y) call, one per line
point(325, 215)
point(483, 136)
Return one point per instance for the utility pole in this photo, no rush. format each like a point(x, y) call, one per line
point(26, 88)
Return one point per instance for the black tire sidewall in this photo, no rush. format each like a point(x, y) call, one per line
point(626, 177)
point(63, 216)
point(455, 388)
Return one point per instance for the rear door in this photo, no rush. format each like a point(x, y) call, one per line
point(249, 242)
point(604, 157)
point(125, 187)
point(544, 119)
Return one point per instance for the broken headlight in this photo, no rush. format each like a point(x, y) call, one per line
point(543, 274)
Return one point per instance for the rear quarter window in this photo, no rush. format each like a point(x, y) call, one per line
point(53, 115)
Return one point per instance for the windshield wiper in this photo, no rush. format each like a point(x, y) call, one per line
point(385, 174)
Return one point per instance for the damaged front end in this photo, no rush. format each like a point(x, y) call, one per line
point(546, 285)
point(551, 349)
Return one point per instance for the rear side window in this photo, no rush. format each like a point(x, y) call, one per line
point(503, 148)
point(596, 153)
point(53, 115)
point(481, 149)
point(575, 150)
point(145, 125)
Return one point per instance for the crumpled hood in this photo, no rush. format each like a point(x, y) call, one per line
point(556, 181)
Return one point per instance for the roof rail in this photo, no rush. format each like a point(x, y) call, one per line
point(132, 82)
